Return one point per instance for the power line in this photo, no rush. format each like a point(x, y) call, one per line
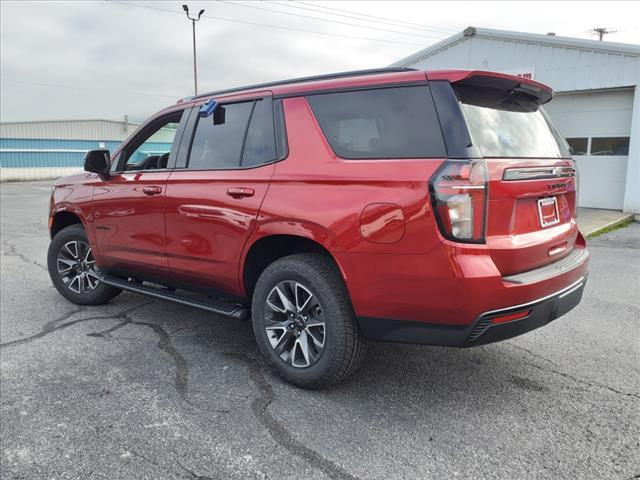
point(268, 25)
point(318, 19)
point(376, 18)
point(356, 16)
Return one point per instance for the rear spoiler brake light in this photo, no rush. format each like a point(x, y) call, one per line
point(501, 81)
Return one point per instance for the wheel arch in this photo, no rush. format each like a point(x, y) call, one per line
point(62, 219)
point(270, 247)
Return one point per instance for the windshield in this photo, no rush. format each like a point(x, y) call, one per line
point(506, 125)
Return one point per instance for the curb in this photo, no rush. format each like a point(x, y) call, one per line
point(621, 221)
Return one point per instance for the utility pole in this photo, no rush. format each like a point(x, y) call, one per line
point(602, 31)
point(193, 26)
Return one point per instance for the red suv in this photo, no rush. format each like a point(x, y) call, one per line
point(399, 205)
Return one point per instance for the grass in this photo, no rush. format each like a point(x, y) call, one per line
point(616, 226)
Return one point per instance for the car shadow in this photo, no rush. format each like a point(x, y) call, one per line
point(406, 374)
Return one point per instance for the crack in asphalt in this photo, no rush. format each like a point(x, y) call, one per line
point(189, 474)
point(14, 253)
point(260, 408)
point(164, 343)
point(588, 383)
point(47, 329)
point(193, 475)
point(191, 327)
point(53, 326)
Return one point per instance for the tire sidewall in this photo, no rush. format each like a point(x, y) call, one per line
point(101, 294)
point(292, 269)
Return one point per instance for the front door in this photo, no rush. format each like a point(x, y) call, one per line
point(129, 206)
point(212, 202)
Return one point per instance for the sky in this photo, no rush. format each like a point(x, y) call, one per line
point(106, 59)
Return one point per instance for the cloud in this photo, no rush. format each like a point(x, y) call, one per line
point(102, 59)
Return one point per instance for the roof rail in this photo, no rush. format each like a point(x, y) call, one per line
point(353, 73)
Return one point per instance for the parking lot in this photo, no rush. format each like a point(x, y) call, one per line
point(146, 389)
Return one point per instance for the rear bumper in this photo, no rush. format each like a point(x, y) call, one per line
point(484, 329)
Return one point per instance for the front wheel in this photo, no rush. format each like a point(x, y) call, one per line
point(303, 321)
point(73, 269)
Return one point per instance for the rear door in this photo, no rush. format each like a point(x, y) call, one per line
point(214, 195)
point(531, 178)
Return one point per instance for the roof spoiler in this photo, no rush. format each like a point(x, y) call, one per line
point(538, 92)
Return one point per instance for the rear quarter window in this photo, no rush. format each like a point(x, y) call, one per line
point(398, 122)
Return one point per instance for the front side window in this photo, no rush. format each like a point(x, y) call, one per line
point(397, 122)
point(239, 135)
point(615, 146)
point(150, 149)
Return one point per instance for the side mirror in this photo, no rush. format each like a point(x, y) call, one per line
point(98, 161)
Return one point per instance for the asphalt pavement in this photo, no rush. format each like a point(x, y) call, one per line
point(144, 389)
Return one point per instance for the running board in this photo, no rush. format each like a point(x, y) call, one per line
point(220, 307)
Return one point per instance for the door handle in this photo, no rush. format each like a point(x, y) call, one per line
point(152, 190)
point(240, 192)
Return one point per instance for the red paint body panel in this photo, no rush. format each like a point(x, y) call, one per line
point(207, 227)
point(129, 222)
point(374, 217)
point(74, 194)
point(382, 223)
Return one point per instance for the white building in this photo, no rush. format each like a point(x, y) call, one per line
point(596, 104)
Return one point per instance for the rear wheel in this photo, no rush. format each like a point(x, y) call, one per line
point(73, 269)
point(304, 323)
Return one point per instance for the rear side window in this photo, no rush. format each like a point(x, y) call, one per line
point(259, 145)
point(243, 136)
point(398, 122)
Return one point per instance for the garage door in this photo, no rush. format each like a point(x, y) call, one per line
point(598, 126)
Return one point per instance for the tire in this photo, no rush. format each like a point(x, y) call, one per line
point(73, 270)
point(334, 349)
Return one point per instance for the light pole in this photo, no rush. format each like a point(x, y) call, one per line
point(193, 25)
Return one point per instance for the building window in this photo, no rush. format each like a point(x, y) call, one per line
point(578, 146)
point(615, 146)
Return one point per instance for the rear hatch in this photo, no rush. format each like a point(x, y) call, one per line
point(529, 177)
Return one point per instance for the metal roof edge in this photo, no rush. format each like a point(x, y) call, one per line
point(121, 122)
point(583, 43)
point(580, 43)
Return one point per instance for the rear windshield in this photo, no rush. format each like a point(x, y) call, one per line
point(508, 125)
point(380, 123)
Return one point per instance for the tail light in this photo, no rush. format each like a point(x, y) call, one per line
point(459, 197)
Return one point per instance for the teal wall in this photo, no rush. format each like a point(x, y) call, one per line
point(57, 153)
